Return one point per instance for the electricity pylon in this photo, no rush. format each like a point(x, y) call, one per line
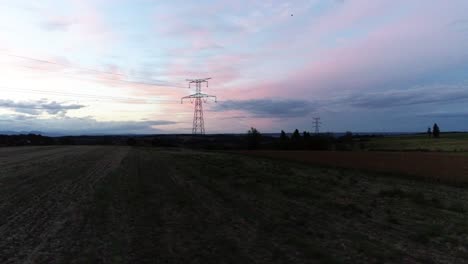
point(198, 122)
point(317, 124)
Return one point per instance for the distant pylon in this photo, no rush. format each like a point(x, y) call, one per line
point(317, 124)
point(198, 122)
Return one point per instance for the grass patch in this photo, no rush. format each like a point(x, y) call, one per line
point(448, 142)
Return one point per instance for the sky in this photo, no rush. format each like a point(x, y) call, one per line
point(120, 66)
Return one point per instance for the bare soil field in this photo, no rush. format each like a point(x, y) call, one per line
point(40, 192)
point(86, 204)
point(445, 167)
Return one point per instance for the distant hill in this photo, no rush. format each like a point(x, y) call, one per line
point(12, 133)
point(9, 133)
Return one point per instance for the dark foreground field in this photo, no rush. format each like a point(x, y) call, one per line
point(138, 205)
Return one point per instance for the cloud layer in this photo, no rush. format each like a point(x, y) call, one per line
point(268, 107)
point(358, 64)
point(434, 94)
point(80, 126)
point(39, 107)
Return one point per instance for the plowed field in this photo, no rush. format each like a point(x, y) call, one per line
point(85, 204)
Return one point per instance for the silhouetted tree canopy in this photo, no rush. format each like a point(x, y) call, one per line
point(284, 140)
point(21, 140)
point(296, 136)
point(253, 138)
point(436, 131)
point(429, 131)
point(283, 136)
point(296, 140)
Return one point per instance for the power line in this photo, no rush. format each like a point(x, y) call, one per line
point(132, 100)
point(63, 64)
point(162, 84)
point(97, 97)
point(100, 78)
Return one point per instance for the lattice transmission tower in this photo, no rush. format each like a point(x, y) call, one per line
point(317, 124)
point(199, 97)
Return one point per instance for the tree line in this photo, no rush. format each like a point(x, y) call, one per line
point(24, 140)
point(300, 141)
point(435, 132)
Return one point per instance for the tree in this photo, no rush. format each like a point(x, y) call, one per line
point(283, 136)
point(284, 140)
point(296, 136)
point(429, 132)
point(296, 139)
point(253, 138)
point(305, 139)
point(435, 130)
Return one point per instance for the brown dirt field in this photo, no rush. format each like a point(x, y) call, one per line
point(444, 167)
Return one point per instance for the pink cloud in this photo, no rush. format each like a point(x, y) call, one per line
point(406, 49)
point(85, 24)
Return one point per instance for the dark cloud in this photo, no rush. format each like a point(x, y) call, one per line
point(91, 126)
point(80, 126)
point(39, 107)
point(268, 107)
point(409, 97)
point(463, 115)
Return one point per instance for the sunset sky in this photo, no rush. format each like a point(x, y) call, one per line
point(119, 66)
